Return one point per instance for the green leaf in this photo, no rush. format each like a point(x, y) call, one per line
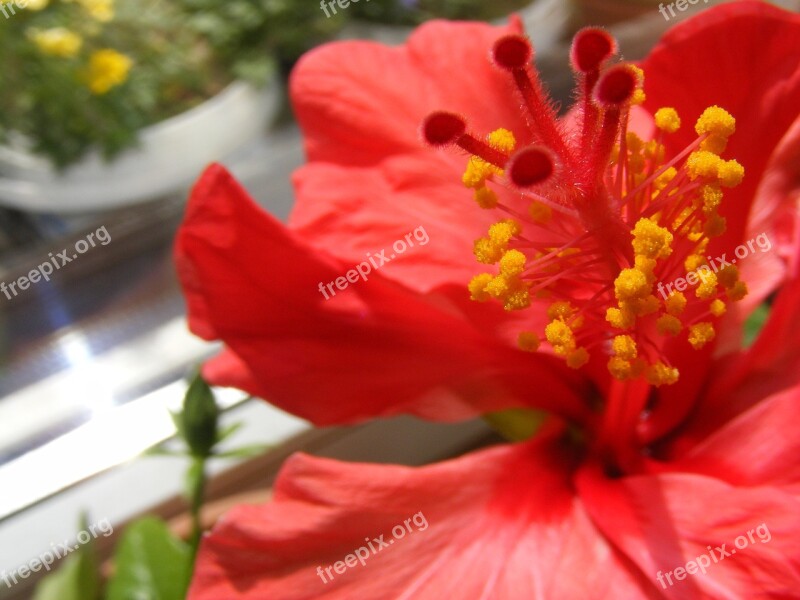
point(200, 418)
point(150, 564)
point(163, 451)
point(177, 420)
point(227, 431)
point(77, 579)
point(755, 323)
point(244, 451)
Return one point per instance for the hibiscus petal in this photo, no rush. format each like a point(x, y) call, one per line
point(359, 102)
point(739, 382)
point(696, 65)
point(354, 115)
point(759, 447)
point(664, 521)
point(374, 349)
point(775, 213)
point(500, 523)
point(412, 205)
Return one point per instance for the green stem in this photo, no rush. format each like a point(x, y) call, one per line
point(196, 504)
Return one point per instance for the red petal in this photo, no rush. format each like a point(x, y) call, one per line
point(663, 522)
point(373, 349)
point(360, 102)
point(740, 382)
point(759, 447)
point(350, 212)
point(502, 524)
point(744, 57)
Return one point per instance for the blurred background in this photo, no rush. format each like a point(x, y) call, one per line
point(109, 109)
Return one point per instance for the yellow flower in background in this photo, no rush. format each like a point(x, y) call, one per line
point(107, 68)
point(37, 4)
point(57, 41)
point(101, 10)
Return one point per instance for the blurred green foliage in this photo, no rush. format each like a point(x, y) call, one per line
point(174, 53)
point(182, 52)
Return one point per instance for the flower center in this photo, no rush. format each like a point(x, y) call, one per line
point(600, 225)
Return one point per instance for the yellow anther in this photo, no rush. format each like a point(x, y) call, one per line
point(667, 324)
point(634, 142)
point(659, 374)
point(738, 291)
point(667, 119)
point(528, 341)
point(638, 94)
point(730, 173)
point(560, 310)
point(624, 346)
point(651, 240)
point(637, 71)
point(641, 306)
point(518, 299)
point(512, 263)
point(577, 358)
point(717, 308)
point(620, 318)
point(728, 276)
point(700, 334)
point(502, 139)
point(631, 284)
point(499, 287)
point(675, 303)
point(646, 266)
point(477, 287)
point(715, 226)
point(636, 164)
point(662, 180)
point(694, 262)
point(620, 368)
point(697, 232)
point(682, 217)
point(712, 197)
point(560, 337)
point(708, 284)
point(477, 172)
point(716, 121)
point(703, 164)
point(485, 197)
point(715, 144)
point(502, 231)
point(655, 151)
point(487, 251)
point(540, 213)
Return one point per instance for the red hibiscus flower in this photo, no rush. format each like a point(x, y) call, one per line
point(614, 235)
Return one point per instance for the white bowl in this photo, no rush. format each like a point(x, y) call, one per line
point(169, 156)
